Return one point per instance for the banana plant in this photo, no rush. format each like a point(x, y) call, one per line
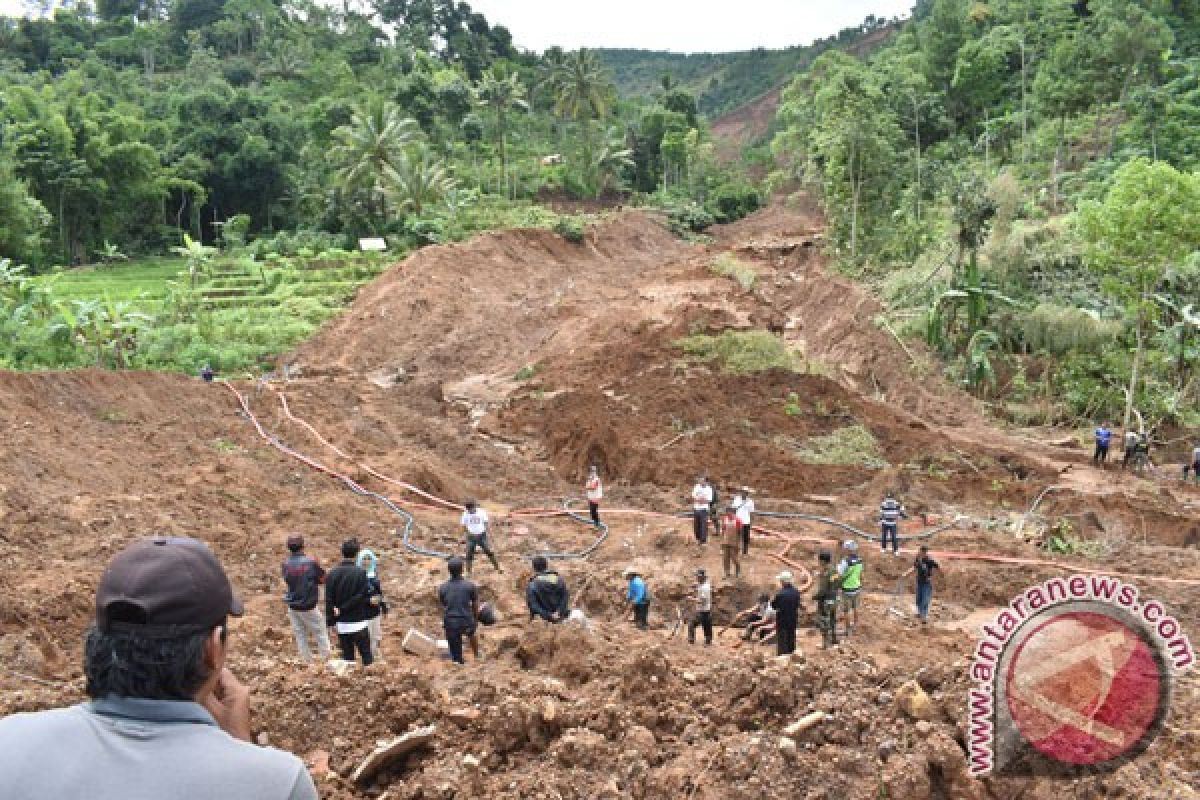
point(198, 256)
point(979, 371)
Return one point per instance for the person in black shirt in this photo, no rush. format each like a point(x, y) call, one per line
point(304, 576)
point(787, 614)
point(923, 567)
point(348, 605)
point(547, 595)
point(460, 609)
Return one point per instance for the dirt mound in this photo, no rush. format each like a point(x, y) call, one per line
point(497, 300)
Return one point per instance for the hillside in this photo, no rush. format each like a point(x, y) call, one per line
point(724, 81)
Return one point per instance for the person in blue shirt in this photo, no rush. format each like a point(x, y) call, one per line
point(1103, 437)
point(638, 597)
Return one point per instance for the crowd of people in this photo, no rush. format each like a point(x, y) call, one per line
point(1136, 452)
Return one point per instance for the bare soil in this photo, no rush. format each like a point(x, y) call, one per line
point(500, 369)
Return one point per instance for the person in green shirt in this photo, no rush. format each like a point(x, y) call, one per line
point(850, 570)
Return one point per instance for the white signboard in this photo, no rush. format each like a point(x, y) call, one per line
point(372, 245)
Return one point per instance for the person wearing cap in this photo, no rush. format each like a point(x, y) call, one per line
point(304, 575)
point(369, 562)
point(460, 610)
point(826, 597)
point(745, 510)
point(547, 595)
point(595, 493)
point(475, 523)
point(731, 540)
point(786, 603)
point(348, 605)
point(166, 718)
point(850, 571)
point(702, 497)
point(702, 616)
point(637, 596)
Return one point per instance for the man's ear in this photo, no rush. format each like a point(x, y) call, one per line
point(214, 649)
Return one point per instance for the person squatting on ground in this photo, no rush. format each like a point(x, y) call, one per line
point(890, 512)
point(1195, 465)
point(850, 571)
point(702, 496)
point(460, 611)
point(826, 597)
point(923, 566)
point(369, 562)
point(595, 493)
point(637, 596)
point(759, 619)
point(547, 595)
point(702, 617)
point(745, 510)
point(475, 523)
point(731, 541)
point(304, 576)
point(1103, 438)
point(166, 718)
point(786, 603)
point(348, 605)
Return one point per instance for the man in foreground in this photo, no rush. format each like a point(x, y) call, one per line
point(638, 597)
point(702, 614)
point(167, 718)
point(923, 566)
point(547, 595)
point(460, 610)
point(850, 571)
point(826, 597)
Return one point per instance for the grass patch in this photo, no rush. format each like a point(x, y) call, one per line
point(526, 373)
point(850, 446)
point(740, 352)
point(727, 266)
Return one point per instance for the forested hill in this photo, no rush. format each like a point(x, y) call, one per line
point(1022, 177)
point(725, 81)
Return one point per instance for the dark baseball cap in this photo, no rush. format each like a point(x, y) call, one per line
point(165, 583)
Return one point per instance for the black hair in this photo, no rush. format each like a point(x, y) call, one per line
point(764, 597)
point(350, 548)
point(295, 547)
point(824, 557)
point(540, 563)
point(455, 565)
point(126, 662)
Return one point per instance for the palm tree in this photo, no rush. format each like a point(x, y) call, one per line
point(372, 143)
point(419, 180)
point(584, 94)
point(501, 93)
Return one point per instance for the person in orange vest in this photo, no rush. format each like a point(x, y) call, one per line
point(595, 493)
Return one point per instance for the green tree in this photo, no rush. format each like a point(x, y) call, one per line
point(1148, 222)
point(501, 93)
point(419, 180)
point(368, 148)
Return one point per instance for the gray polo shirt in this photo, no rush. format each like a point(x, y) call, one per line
point(121, 748)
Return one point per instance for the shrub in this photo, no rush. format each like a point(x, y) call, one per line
point(688, 217)
point(741, 352)
point(727, 266)
point(1059, 330)
point(570, 228)
point(850, 446)
point(730, 202)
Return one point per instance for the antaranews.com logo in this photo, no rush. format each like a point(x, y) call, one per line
point(1074, 676)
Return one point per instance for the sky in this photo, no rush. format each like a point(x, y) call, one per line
point(684, 26)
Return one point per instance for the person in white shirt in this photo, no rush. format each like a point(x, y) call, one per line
point(475, 523)
point(595, 493)
point(702, 617)
point(744, 509)
point(702, 497)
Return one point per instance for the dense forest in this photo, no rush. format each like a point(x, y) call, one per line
point(128, 124)
point(1020, 179)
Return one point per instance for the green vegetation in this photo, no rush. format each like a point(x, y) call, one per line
point(1019, 176)
point(740, 352)
point(727, 265)
point(853, 445)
